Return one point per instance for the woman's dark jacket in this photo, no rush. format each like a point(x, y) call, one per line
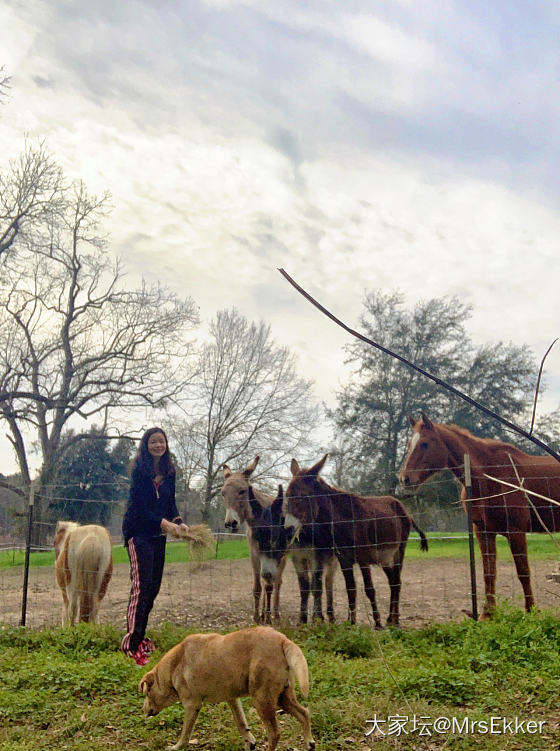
point(147, 507)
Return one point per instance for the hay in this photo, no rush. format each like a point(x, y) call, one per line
point(201, 541)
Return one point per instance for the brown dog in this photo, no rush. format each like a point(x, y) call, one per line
point(258, 662)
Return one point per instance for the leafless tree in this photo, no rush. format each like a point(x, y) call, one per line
point(32, 195)
point(5, 82)
point(249, 400)
point(74, 340)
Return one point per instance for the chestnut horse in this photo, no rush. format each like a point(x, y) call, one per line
point(496, 508)
point(357, 529)
point(244, 504)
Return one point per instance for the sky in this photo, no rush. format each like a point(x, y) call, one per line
point(410, 145)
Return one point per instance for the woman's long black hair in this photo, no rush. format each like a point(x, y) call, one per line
point(144, 461)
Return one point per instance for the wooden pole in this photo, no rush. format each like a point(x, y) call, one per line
point(468, 488)
point(27, 554)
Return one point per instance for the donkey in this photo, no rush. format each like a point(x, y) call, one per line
point(358, 529)
point(245, 503)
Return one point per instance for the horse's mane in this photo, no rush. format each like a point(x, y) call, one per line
point(491, 443)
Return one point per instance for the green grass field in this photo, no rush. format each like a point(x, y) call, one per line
point(441, 545)
point(73, 689)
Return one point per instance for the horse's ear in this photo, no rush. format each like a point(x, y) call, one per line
point(316, 468)
point(255, 505)
point(226, 471)
point(250, 468)
point(294, 467)
point(426, 422)
point(412, 420)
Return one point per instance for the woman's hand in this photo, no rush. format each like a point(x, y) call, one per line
point(183, 531)
point(168, 528)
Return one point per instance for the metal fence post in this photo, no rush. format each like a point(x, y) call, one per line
point(27, 554)
point(468, 488)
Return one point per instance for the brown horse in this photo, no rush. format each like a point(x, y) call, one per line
point(244, 504)
point(496, 508)
point(357, 529)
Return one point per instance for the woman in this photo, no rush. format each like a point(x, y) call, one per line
point(151, 513)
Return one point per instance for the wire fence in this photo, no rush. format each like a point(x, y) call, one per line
point(217, 592)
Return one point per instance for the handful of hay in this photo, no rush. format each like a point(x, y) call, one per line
point(200, 540)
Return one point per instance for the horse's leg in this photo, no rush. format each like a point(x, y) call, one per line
point(330, 569)
point(277, 585)
point(393, 574)
point(518, 546)
point(487, 543)
point(370, 592)
point(348, 573)
point(317, 587)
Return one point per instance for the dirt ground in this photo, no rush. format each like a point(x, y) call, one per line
point(217, 594)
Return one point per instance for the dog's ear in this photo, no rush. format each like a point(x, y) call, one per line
point(146, 683)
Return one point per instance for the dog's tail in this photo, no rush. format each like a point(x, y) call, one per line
point(297, 666)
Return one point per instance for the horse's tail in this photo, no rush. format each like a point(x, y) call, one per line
point(423, 539)
point(297, 665)
point(89, 575)
point(407, 518)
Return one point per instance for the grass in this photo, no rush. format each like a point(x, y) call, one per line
point(176, 552)
point(441, 545)
point(73, 689)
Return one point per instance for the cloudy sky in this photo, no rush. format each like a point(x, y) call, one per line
point(410, 144)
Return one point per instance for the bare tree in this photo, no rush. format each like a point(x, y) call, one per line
point(5, 81)
point(32, 194)
point(74, 341)
point(249, 399)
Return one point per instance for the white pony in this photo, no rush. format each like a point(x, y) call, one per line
point(84, 566)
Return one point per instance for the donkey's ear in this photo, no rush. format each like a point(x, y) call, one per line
point(294, 467)
point(426, 422)
point(226, 471)
point(256, 507)
point(276, 507)
point(316, 468)
point(250, 468)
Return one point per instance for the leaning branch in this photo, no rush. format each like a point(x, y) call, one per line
point(423, 372)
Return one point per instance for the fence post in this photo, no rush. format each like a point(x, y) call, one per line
point(27, 554)
point(468, 488)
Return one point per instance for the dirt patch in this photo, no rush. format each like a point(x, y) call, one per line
point(217, 594)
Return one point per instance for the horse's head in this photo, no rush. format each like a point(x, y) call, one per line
point(235, 492)
point(427, 455)
point(301, 507)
